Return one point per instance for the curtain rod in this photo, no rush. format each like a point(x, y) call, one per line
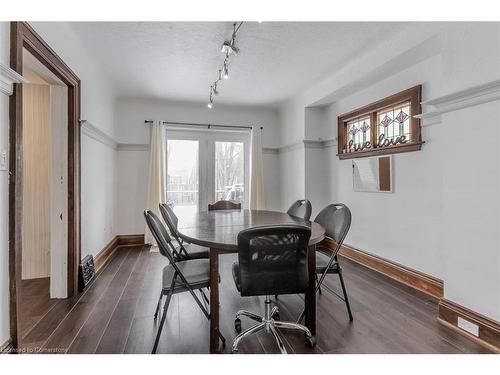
point(203, 125)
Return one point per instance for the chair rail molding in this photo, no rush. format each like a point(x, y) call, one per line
point(7, 79)
point(304, 144)
point(320, 143)
point(469, 97)
point(93, 132)
point(132, 147)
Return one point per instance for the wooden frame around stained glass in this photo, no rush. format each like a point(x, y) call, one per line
point(399, 123)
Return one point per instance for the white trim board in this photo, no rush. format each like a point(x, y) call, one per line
point(7, 79)
point(469, 97)
point(93, 132)
point(98, 135)
point(306, 144)
point(132, 147)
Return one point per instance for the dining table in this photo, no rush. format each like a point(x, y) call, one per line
point(218, 230)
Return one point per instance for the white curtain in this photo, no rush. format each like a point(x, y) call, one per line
point(256, 171)
point(157, 182)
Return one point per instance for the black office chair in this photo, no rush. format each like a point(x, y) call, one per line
point(186, 251)
point(301, 208)
point(336, 219)
point(271, 259)
point(178, 277)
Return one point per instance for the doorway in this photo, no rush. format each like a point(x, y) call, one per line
point(206, 166)
point(44, 191)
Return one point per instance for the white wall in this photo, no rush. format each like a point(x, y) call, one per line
point(4, 194)
point(133, 165)
point(442, 218)
point(98, 160)
point(470, 217)
point(415, 202)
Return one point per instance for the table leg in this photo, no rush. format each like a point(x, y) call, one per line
point(214, 300)
point(310, 297)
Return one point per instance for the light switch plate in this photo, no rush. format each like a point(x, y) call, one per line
point(3, 160)
point(468, 326)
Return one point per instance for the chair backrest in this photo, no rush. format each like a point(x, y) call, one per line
point(224, 205)
point(273, 260)
point(336, 219)
point(170, 218)
point(161, 235)
point(301, 208)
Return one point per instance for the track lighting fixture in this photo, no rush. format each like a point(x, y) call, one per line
point(228, 48)
point(226, 71)
point(211, 100)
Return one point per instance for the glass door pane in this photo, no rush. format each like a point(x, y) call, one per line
point(182, 175)
point(229, 171)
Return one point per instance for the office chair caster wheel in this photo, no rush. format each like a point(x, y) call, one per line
point(311, 341)
point(237, 325)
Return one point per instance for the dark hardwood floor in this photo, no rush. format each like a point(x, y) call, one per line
point(36, 302)
point(115, 315)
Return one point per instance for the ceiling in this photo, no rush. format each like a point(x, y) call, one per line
point(179, 60)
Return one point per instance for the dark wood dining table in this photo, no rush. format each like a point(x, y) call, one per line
point(218, 230)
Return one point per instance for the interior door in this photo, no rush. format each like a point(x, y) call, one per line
point(59, 211)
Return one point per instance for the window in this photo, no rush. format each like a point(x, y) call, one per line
point(229, 171)
point(206, 166)
point(183, 175)
point(384, 127)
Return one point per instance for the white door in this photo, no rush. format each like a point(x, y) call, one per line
point(206, 166)
point(59, 201)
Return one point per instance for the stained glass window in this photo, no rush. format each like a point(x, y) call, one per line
point(358, 131)
point(395, 121)
point(389, 125)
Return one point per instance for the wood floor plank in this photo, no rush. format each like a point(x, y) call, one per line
point(115, 315)
point(90, 334)
point(67, 330)
point(143, 329)
point(115, 336)
point(50, 321)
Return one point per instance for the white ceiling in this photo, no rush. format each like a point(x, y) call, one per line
point(179, 60)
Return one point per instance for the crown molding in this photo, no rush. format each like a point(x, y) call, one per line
point(469, 97)
point(98, 135)
point(7, 79)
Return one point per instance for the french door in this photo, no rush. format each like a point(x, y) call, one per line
point(206, 166)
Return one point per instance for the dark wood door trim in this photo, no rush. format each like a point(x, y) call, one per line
point(22, 36)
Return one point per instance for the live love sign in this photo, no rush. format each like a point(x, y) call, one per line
point(382, 142)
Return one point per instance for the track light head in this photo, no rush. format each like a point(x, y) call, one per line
point(228, 48)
